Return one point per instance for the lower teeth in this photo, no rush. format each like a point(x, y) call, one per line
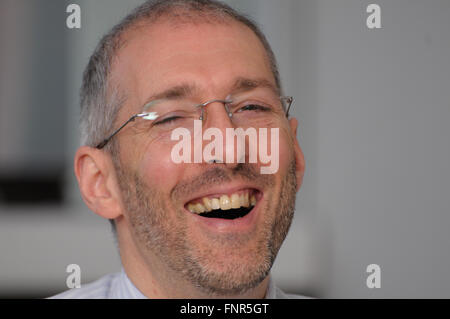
point(227, 214)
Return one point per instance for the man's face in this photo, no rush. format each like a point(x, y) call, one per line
point(220, 256)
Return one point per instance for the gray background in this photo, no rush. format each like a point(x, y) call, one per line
point(373, 106)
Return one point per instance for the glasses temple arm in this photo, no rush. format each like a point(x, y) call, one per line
point(106, 140)
point(289, 100)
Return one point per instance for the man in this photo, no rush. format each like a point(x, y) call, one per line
point(207, 228)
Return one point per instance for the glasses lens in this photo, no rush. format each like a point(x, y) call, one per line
point(257, 108)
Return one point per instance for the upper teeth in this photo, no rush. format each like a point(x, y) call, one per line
point(224, 202)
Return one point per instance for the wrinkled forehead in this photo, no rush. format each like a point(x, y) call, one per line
point(161, 55)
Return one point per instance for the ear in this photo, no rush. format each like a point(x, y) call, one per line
point(299, 158)
point(97, 182)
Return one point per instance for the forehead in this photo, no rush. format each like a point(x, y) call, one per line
point(210, 56)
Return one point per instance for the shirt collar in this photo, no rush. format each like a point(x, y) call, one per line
point(123, 288)
point(271, 289)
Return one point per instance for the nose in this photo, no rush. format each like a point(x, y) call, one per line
point(215, 114)
point(216, 121)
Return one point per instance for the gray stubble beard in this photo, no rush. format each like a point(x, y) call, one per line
point(169, 240)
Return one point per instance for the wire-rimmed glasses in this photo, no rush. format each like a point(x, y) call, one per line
point(257, 108)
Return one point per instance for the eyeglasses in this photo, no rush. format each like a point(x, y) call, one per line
point(257, 108)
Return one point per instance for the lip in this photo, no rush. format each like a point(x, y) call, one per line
point(220, 225)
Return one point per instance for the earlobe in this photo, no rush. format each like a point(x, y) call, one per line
point(97, 183)
point(298, 153)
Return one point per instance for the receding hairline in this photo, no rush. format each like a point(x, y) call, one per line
point(176, 17)
point(177, 20)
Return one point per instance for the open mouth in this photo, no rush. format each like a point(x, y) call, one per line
point(225, 206)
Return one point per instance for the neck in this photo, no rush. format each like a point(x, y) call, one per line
point(156, 281)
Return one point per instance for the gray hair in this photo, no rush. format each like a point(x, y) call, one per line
point(101, 100)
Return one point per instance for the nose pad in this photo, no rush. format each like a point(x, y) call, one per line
point(202, 111)
point(225, 104)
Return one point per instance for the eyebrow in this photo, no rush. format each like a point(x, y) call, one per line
point(173, 93)
point(247, 84)
point(184, 90)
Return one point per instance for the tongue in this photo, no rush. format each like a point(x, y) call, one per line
point(227, 214)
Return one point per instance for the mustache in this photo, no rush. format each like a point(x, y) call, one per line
point(219, 175)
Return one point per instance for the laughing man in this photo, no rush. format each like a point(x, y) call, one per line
point(186, 230)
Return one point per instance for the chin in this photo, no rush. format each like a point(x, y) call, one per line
point(230, 271)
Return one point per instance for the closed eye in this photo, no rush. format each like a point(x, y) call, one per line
point(168, 120)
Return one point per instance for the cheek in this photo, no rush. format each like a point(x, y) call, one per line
point(286, 151)
point(157, 168)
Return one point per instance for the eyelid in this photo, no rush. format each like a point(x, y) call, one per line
point(174, 115)
point(165, 120)
point(239, 105)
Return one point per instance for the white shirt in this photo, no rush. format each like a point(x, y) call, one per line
point(119, 286)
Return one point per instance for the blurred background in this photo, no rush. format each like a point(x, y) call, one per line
point(374, 113)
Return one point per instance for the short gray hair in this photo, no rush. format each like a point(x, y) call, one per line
point(101, 100)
